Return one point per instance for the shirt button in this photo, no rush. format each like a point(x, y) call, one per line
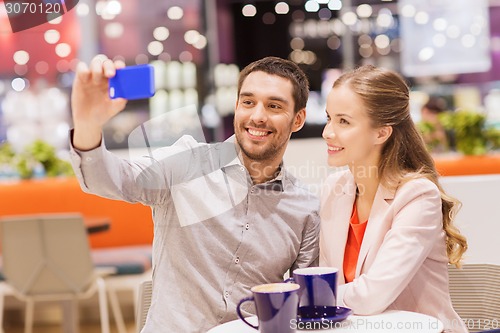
point(88, 159)
point(226, 294)
point(247, 226)
point(242, 168)
point(237, 260)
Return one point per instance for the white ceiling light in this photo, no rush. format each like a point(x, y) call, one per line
point(55, 20)
point(421, 18)
point(311, 6)
point(468, 40)
point(349, 18)
point(21, 57)
point(408, 11)
point(426, 54)
point(161, 33)
point(249, 10)
point(439, 40)
point(175, 13)
point(382, 41)
point(82, 9)
point(335, 5)
point(114, 30)
point(155, 48)
point(191, 36)
point(440, 24)
point(63, 50)
point(201, 42)
point(114, 7)
point(51, 36)
point(364, 10)
point(18, 84)
point(282, 8)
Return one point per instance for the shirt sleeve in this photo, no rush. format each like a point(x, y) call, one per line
point(309, 248)
point(416, 227)
point(142, 179)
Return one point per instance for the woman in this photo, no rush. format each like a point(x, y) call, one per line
point(386, 221)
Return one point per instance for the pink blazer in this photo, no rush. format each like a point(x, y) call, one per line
point(402, 263)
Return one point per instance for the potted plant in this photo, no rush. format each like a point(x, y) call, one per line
point(36, 160)
point(472, 136)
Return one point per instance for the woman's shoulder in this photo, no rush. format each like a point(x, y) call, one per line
point(417, 187)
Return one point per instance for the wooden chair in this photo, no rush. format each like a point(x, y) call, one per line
point(144, 302)
point(47, 258)
point(475, 294)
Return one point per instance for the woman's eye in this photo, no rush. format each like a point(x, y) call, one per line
point(343, 121)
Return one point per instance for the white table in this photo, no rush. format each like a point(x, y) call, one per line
point(390, 321)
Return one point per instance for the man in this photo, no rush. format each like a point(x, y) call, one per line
point(227, 216)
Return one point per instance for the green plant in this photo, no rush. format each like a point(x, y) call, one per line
point(37, 154)
point(432, 138)
point(6, 153)
point(471, 135)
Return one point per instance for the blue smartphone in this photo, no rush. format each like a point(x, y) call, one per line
point(132, 82)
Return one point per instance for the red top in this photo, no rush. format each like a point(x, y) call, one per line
point(353, 245)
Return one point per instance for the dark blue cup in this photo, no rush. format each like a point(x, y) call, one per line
point(318, 287)
point(276, 307)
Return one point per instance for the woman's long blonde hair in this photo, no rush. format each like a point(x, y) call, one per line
point(385, 95)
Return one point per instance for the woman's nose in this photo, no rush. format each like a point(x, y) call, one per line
point(328, 132)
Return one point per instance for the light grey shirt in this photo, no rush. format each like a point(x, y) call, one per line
point(216, 234)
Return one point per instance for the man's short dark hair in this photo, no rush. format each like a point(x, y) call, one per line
point(286, 69)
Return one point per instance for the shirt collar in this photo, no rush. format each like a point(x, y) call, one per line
point(274, 184)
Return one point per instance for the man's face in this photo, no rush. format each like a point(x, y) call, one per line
point(264, 117)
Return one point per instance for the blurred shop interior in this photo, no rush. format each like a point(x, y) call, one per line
point(446, 49)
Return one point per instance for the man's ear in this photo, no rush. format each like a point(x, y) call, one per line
point(383, 134)
point(299, 120)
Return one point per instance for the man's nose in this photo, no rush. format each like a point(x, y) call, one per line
point(259, 113)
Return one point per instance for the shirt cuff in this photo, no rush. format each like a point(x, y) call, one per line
point(88, 156)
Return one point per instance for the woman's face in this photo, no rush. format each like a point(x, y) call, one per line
point(349, 134)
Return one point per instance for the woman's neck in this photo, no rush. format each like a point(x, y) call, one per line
point(366, 188)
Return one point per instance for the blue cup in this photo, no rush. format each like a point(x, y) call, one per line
point(276, 306)
point(318, 291)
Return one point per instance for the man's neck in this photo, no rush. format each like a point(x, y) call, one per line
point(261, 171)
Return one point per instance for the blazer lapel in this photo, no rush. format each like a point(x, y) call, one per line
point(374, 228)
point(341, 215)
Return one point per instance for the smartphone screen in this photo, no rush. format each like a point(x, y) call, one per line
point(132, 82)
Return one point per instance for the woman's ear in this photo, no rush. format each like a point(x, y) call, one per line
point(383, 134)
point(299, 120)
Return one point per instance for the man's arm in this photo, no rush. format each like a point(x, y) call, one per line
point(97, 170)
point(309, 248)
point(90, 103)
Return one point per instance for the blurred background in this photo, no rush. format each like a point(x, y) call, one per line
point(448, 49)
